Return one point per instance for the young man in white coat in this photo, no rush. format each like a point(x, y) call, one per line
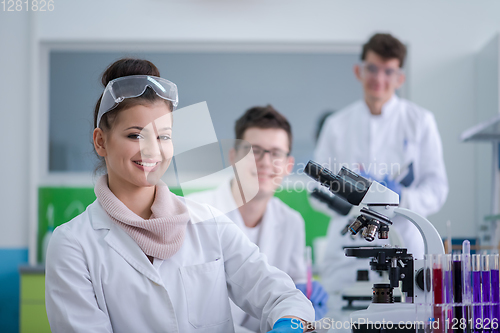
point(277, 229)
point(387, 139)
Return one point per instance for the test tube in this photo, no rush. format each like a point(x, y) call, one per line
point(495, 292)
point(458, 316)
point(466, 284)
point(486, 291)
point(447, 279)
point(476, 293)
point(466, 273)
point(425, 311)
point(438, 294)
point(448, 307)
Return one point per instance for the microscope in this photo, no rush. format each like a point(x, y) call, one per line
point(379, 206)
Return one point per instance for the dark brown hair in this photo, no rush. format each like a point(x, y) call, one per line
point(263, 117)
point(121, 68)
point(386, 46)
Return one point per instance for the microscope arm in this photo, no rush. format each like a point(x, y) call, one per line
point(432, 240)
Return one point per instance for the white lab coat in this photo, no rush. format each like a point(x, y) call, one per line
point(99, 280)
point(382, 144)
point(281, 238)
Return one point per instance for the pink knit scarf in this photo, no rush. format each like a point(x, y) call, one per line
point(161, 235)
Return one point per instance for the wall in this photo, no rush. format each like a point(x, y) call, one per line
point(487, 106)
point(14, 169)
point(443, 37)
point(302, 86)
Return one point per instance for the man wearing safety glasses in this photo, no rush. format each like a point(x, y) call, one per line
point(387, 139)
point(277, 229)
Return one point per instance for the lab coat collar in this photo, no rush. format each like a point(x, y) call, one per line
point(122, 243)
point(268, 224)
point(388, 108)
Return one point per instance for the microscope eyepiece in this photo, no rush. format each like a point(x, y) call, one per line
point(382, 293)
point(347, 185)
point(320, 174)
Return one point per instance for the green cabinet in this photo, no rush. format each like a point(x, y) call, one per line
point(33, 317)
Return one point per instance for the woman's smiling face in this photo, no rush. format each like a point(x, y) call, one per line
point(138, 148)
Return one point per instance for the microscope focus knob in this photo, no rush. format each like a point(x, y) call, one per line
point(382, 293)
point(419, 279)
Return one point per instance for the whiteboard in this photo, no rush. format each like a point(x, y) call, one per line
point(301, 82)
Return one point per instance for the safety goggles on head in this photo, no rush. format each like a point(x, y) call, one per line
point(134, 86)
point(372, 70)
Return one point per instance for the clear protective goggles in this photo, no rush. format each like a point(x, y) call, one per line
point(134, 86)
point(372, 70)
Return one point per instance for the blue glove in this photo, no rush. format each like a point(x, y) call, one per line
point(319, 298)
point(410, 176)
point(287, 325)
point(391, 185)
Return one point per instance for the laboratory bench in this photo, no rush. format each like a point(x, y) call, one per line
point(33, 316)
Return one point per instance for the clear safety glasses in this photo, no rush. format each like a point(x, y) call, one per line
point(277, 155)
point(134, 86)
point(372, 70)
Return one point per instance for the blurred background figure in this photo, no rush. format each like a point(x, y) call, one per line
point(321, 123)
point(276, 228)
point(387, 139)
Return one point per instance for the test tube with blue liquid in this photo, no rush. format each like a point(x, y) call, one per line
point(486, 292)
point(476, 294)
point(495, 292)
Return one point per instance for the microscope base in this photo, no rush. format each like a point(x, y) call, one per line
point(382, 317)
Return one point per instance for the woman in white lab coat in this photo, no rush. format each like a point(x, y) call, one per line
point(137, 260)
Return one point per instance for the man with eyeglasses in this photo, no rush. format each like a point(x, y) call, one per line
point(278, 230)
point(387, 139)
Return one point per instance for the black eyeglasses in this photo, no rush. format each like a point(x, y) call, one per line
point(276, 154)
